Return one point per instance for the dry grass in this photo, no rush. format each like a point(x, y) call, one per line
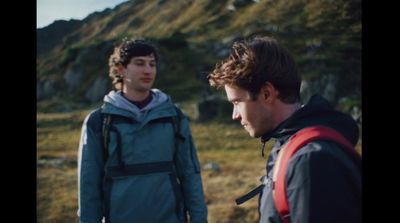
point(239, 173)
point(228, 145)
point(56, 195)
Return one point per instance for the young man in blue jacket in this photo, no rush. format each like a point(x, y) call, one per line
point(137, 161)
point(323, 180)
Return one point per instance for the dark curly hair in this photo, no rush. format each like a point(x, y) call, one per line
point(254, 62)
point(123, 54)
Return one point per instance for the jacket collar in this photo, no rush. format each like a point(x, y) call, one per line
point(317, 111)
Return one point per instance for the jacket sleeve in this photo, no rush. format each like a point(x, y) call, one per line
point(323, 185)
point(90, 173)
point(188, 169)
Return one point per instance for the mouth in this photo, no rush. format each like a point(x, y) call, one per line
point(147, 80)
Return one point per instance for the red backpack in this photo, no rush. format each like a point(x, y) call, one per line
point(297, 141)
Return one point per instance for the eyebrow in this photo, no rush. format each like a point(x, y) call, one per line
point(233, 99)
point(143, 60)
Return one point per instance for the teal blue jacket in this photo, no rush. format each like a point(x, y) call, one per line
point(160, 180)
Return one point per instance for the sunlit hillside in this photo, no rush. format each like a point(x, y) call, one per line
point(323, 36)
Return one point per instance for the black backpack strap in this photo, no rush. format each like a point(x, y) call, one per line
point(106, 128)
point(145, 169)
point(100, 123)
point(140, 169)
point(249, 195)
point(176, 123)
point(106, 121)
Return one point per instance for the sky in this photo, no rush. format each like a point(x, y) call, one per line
point(47, 11)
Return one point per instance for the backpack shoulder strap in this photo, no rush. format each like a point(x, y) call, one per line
point(106, 123)
point(106, 120)
point(100, 123)
point(176, 123)
point(296, 142)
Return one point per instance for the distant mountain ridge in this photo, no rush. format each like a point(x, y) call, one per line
point(324, 37)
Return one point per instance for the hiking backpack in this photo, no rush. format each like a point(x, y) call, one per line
point(297, 141)
point(104, 122)
point(174, 120)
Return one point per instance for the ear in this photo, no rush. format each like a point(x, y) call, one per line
point(269, 92)
point(120, 69)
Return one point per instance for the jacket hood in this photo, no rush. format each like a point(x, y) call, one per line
point(317, 111)
point(116, 99)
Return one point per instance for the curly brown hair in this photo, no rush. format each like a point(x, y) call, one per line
point(123, 54)
point(254, 62)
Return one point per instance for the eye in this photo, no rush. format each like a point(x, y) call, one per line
point(139, 63)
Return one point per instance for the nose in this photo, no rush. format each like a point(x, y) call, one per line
point(149, 69)
point(235, 114)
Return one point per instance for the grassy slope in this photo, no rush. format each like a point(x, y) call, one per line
point(239, 160)
point(236, 153)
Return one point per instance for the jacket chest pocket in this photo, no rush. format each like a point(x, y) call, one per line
point(153, 142)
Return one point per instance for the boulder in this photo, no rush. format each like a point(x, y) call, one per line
point(98, 89)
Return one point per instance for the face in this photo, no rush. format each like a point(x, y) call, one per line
point(254, 115)
point(140, 73)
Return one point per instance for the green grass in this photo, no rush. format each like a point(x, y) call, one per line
point(228, 145)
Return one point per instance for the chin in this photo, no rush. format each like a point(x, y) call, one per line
point(144, 89)
point(253, 134)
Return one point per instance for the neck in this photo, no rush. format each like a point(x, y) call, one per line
point(136, 96)
point(285, 111)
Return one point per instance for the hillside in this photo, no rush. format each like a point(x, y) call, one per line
point(324, 37)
